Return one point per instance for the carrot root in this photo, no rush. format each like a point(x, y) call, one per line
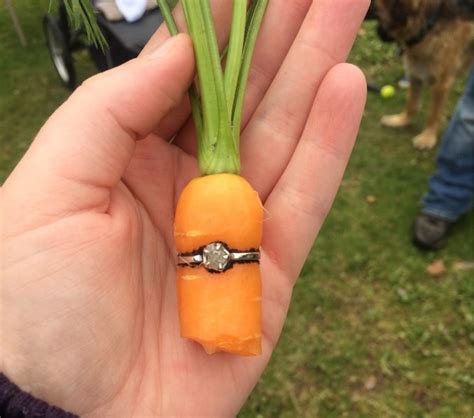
point(221, 311)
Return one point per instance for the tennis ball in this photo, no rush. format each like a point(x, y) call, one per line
point(387, 91)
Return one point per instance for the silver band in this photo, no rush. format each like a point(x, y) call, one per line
point(217, 257)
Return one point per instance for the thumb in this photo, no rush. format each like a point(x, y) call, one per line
point(88, 142)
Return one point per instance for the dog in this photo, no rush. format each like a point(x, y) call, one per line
point(437, 44)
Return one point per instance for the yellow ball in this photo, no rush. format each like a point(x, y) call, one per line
point(387, 91)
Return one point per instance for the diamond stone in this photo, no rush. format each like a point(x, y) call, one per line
point(215, 256)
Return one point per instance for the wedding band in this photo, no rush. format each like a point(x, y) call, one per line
point(217, 257)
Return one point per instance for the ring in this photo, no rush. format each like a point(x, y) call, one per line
point(217, 257)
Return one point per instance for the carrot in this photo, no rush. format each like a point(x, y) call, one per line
point(218, 221)
point(221, 311)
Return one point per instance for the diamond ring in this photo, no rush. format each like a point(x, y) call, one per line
point(217, 257)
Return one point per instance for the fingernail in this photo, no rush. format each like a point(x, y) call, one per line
point(162, 50)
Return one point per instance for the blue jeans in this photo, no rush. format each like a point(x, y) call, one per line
point(451, 188)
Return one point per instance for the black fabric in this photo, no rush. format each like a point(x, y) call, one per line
point(132, 36)
point(14, 403)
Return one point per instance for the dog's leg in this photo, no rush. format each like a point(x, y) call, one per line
point(428, 137)
point(411, 107)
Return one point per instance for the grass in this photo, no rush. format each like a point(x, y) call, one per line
point(29, 88)
point(370, 333)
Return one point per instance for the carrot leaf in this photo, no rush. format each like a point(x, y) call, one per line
point(165, 8)
point(234, 50)
point(217, 111)
point(82, 15)
point(256, 13)
point(216, 149)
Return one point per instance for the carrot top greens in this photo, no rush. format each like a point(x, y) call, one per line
point(217, 113)
point(81, 14)
point(217, 110)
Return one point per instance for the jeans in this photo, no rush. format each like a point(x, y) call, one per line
point(451, 188)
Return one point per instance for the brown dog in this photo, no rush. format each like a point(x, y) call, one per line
point(437, 45)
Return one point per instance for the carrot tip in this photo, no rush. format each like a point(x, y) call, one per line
point(248, 347)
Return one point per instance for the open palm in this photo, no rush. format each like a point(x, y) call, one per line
point(88, 303)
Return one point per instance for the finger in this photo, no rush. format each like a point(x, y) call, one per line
point(302, 197)
point(325, 39)
point(180, 114)
point(274, 40)
point(85, 147)
point(304, 194)
point(271, 49)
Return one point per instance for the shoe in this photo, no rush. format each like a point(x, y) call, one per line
point(404, 83)
point(430, 232)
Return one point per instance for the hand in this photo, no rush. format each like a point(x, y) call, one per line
point(88, 305)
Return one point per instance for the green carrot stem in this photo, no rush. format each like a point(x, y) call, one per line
point(234, 51)
point(81, 14)
point(168, 17)
point(216, 151)
point(256, 14)
point(193, 96)
point(250, 12)
point(217, 113)
point(205, 72)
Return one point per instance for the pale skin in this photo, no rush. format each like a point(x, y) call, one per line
point(88, 302)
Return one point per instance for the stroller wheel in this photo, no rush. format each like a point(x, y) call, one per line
point(59, 51)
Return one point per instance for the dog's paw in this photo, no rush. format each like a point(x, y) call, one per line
point(425, 140)
point(395, 121)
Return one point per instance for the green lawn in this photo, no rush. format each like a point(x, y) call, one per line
point(370, 333)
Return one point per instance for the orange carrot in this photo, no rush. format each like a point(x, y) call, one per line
point(218, 222)
point(220, 310)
